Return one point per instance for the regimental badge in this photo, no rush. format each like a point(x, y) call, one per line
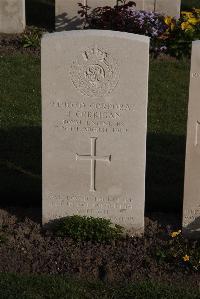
point(95, 73)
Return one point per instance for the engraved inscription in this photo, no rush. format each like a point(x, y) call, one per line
point(93, 158)
point(197, 133)
point(95, 117)
point(196, 75)
point(97, 206)
point(94, 73)
point(191, 215)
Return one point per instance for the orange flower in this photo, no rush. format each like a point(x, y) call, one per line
point(186, 258)
point(175, 234)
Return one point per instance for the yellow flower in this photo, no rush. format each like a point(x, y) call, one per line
point(187, 14)
point(168, 20)
point(175, 234)
point(186, 26)
point(186, 258)
point(194, 21)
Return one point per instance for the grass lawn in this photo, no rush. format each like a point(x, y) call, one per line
point(20, 136)
point(20, 129)
point(60, 287)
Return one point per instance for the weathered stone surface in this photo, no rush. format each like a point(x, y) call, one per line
point(66, 15)
point(94, 93)
point(12, 16)
point(191, 205)
point(168, 7)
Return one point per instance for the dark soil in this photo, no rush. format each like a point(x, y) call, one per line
point(26, 248)
point(12, 43)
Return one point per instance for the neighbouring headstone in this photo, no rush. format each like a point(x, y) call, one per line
point(168, 7)
point(191, 204)
point(94, 99)
point(12, 16)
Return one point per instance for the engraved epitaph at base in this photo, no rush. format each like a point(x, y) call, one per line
point(94, 118)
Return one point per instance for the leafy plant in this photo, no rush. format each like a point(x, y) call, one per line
point(181, 32)
point(3, 237)
point(82, 228)
point(31, 38)
point(185, 251)
point(160, 255)
point(176, 249)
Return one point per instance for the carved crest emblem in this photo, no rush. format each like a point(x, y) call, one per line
point(94, 73)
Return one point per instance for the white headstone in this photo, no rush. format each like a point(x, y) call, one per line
point(191, 204)
point(12, 16)
point(94, 94)
point(168, 7)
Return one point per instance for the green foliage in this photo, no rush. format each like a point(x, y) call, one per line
point(179, 47)
point(168, 35)
point(178, 250)
point(180, 33)
point(31, 38)
point(189, 4)
point(82, 228)
point(20, 134)
point(14, 286)
point(160, 255)
point(3, 237)
point(184, 251)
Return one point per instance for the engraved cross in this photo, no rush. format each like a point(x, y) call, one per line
point(93, 158)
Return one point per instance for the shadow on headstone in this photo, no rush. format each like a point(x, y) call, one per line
point(63, 22)
point(193, 229)
point(21, 163)
point(41, 13)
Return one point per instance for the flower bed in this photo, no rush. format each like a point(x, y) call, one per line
point(168, 35)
